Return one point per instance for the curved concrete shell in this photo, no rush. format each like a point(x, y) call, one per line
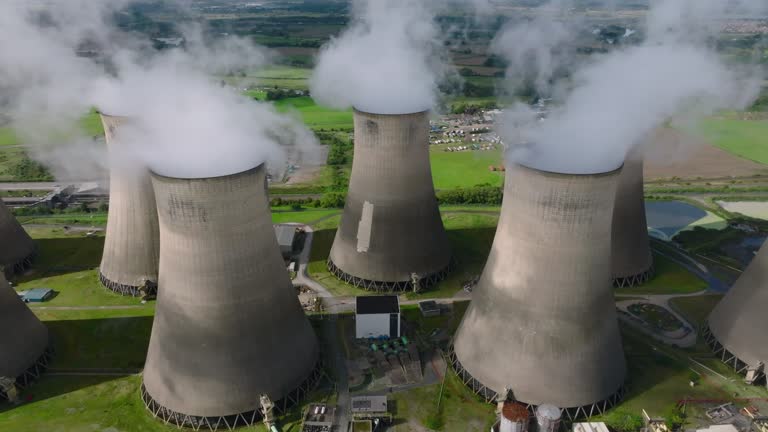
point(131, 246)
point(542, 323)
point(391, 227)
point(16, 247)
point(23, 340)
point(737, 327)
point(228, 326)
point(631, 258)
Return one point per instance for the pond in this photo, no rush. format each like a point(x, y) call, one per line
point(670, 217)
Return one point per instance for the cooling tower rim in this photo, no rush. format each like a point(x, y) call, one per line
point(358, 110)
point(154, 173)
point(549, 173)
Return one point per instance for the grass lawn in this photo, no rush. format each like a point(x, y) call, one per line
point(99, 338)
point(452, 170)
point(7, 137)
point(99, 404)
point(669, 278)
point(745, 138)
point(89, 219)
point(471, 236)
point(696, 309)
point(658, 377)
point(316, 116)
point(68, 263)
point(306, 216)
point(460, 410)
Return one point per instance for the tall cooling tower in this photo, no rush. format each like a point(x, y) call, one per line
point(23, 340)
point(737, 327)
point(391, 228)
point(131, 246)
point(16, 247)
point(542, 323)
point(632, 262)
point(228, 326)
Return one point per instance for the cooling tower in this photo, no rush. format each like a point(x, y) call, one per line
point(737, 327)
point(542, 323)
point(131, 247)
point(391, 232)
point(17, 248)
point(228, 326)
point(23, 341)
point(632, 262)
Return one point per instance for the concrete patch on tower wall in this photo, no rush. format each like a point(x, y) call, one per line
point(364, 228)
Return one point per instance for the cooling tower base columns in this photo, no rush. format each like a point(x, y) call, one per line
point(127, 290)
point(490, 396)
point(32, 373)
point(732, 360)
point(230, 422)
point(634, 280)
point(21, 266)
point(425, 282)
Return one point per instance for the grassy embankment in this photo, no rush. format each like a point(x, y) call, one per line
point(669, 278)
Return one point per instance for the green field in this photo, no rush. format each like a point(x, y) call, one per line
point(8, 137)
point(316, 116)
point(669, 278)
point(696, 309)
point(452, 170)
point(281, 77)
point(745, 138)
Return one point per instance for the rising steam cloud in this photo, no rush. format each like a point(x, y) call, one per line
point(183, 122)
point(386, 62)
point(620, 98)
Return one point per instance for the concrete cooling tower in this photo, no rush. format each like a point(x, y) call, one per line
point(24, 351)
point(16, 247)
point(229, 326)
point(131, 247)
point(542, 325)
point(632, 262)
point(391, 234)
point(737, 327)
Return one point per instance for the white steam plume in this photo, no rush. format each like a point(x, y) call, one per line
point(184, 123)
point(620, 98)
point(386, 62)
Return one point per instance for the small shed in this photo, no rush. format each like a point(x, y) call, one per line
point(377, 316)
point(37, 295)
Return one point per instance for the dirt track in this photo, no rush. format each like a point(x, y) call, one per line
point(675, 154)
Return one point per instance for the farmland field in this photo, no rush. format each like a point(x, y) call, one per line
point(745, 138)
point(452, 170)
point(316, 116)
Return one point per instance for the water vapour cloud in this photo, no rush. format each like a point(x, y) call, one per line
point(386, 62)
point(183, 121)
point(618, 99)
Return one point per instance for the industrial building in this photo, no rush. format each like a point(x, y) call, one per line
point(228, 326)
point(377, 317)
point(286, 236)
point(631, 258)
point(542, 325)
point(131, 247)
point(18, 248)
point(391, 235)
point(24, 353)
point(737, 327)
